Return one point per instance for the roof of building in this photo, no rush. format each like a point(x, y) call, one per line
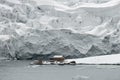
point(57, 56)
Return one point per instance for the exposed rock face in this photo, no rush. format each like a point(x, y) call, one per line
point(95, 51)
point(73, 28)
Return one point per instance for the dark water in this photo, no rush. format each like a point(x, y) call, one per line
point(21, 70)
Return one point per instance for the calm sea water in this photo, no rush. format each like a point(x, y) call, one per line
point(21, 70)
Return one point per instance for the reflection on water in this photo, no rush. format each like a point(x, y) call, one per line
point(21, 70)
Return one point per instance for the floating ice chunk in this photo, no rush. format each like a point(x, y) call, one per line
point(35, 66)
point(79, 77)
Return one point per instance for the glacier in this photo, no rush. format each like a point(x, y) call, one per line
point(73, 28)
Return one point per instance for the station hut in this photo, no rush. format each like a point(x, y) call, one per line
point(58, 58)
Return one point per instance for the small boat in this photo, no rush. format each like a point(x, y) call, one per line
point(61, 63)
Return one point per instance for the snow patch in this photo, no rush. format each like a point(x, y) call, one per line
point(5, 37)
point(106, 59)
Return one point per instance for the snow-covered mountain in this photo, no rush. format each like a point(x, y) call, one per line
point(73, 28)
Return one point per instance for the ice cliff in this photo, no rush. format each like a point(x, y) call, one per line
point(73, 28)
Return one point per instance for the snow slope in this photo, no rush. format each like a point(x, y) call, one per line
point(106, 59)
